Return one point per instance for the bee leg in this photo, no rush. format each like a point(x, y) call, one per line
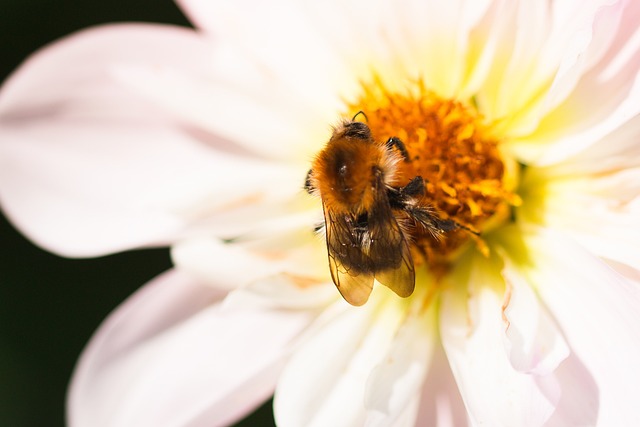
point(414, 188)
point(402, 197)
point(308, 186)
point(399, 145)
point(428, 218)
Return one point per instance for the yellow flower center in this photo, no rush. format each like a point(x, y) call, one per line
point(451, 147)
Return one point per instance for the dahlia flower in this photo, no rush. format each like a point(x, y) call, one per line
point(522, 117)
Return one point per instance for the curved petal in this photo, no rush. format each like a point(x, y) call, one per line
point(299, 254)
point(306, 66)
point(324, 381)
point(472, 331)
point(441, 404)
point(171, 356)
point(605, 96)
point(88, 167)
point(532, 340)
point(597, 310)
point(579, 395)
point(615, 151)
point(600, 211)
point(77, 68)
point(541, 52)
point(398, 379)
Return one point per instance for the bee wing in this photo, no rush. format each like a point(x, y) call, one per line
point(349, 265)
point(401, 279)
point(389, 251)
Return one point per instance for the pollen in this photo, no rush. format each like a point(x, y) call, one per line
point(449, 144)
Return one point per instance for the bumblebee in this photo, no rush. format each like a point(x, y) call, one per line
point(367, 216)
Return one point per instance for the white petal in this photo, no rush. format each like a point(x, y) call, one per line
point(284, 291)
point(266, 123)
point(613, 152)
point(600, 211)
point(398, 379)
point(300, 255)
point(597, 310)
point(222, 264)
point(170, 356)
point(441, 404)
point(590, 28)
point(426, 40)
point(629, 273)
point(324, 382)
point(89, 168)
point(604, 98)
point(305, 67)
point(80, 66)
point(533, 342)
point(579, 395)
point(472, 331)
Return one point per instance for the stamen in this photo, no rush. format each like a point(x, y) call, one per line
point(452, 148)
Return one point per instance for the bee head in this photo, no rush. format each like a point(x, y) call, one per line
point(352, 130)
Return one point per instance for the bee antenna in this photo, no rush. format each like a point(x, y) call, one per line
point(366, 119)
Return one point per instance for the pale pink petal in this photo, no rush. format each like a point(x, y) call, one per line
point(590, 28)
point(629, 273)
point(579, 395)
point(597, 310)
point(544, 49)
point(324, 381)
point(224, 265)
point(285, 291)
point(440, 403)
point(171, 356)
point(472, 331)
point(305, 67)
point(88, 167)
point(600, 211)
point(594, 195)
point(300, 255)
point(615, 151)
point(532, 340)
point(398, 379)
point(77, 69)
point(603, 99)
point(267, 121)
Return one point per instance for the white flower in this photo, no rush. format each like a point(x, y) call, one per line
point(137, 135)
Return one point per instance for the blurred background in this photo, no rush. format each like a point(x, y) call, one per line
point(50, 306)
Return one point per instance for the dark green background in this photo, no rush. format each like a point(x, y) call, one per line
point(50, 306)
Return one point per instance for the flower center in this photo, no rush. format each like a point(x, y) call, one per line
point(450, 146)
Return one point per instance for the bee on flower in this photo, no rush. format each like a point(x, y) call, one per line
point(484, 170)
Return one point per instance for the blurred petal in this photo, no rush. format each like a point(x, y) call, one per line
point(603, 99)
point(267, 123)
point(597, 310)
point(148, 367)
point(533, 342)
point(300, 255)
point(89, 168)
point(542, 51)
point(398, 379)
point(285, 291)
point(224, 265)
point(615, 151)
point(600, 211)
point(324, 381)
point(78, 69)
point(441, 404)
point(579, 395)
point(472, 333)
point(298, 82)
